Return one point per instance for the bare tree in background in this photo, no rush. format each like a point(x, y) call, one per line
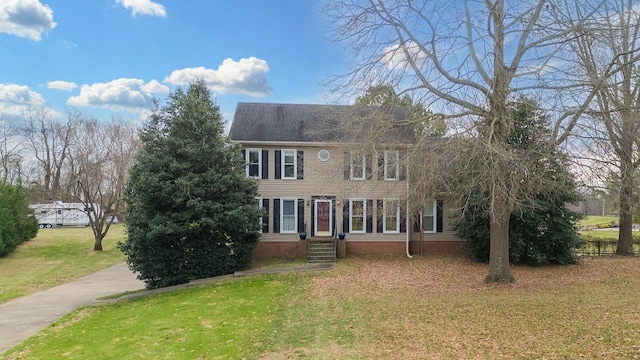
point(608, 47)
point(11, 162)
point(100, 157)
point(49, 140)
point(465, 61)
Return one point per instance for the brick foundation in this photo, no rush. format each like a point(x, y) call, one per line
point(298, 249)
point(449, 247)
point(285, 249)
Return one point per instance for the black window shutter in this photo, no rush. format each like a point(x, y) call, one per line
point(333, 218)
point(265, 222)
point(368, 166)
point(369, 216)
point(300, 165)
point(301, 215)
point(347, 166)
point(313, 216)
point(403, 219)
point(439, 220)
point(265, 164)
point(276, 215)
point(381, 167)
point(278, 159)
point(345, 216)
point(380, 216)
point(244, 154)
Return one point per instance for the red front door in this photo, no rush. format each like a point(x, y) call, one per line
point(323, 217)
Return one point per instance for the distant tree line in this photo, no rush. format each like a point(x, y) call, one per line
point(69, 157)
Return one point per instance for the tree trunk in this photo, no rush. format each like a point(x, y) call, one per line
point(97, 245)
point(496, 123)
point(499, 269)
point(625, 236)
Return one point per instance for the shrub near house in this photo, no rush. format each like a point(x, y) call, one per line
point(190, 209)
point(17, 224)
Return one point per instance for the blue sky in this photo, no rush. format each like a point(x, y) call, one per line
point(110, 57)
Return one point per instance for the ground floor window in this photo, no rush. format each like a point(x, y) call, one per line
point(357, 216)
point(391, 219)
point(288, 215)
point(260, 219)
point(429, 216)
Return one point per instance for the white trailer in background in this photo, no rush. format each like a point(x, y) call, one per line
point(58, 213)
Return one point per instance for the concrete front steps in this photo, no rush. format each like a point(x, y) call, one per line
point(321, 250)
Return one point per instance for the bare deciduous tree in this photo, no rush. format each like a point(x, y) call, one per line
point(465, 61)
point(101, 157)
point(608, 47)
point(50, 140)
point(11, 162)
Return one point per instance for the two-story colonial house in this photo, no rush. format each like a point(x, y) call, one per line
point(312, 181)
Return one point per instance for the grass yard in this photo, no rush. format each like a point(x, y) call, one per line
point(54, 257)
point(434, 307)
point(597, 220)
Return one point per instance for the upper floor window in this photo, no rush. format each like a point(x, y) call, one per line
point(289, 164)
point(391, 165)
point(357, 167)
point(253, 158)
point(256, 163)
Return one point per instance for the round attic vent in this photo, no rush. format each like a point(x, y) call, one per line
point(323, 155)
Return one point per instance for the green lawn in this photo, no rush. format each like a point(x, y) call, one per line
point(54, 257)
point(436, 307)
point(597, 220)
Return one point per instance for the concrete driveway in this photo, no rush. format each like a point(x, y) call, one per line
point(23, 317)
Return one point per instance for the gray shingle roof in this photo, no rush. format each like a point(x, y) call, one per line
point(302, 122)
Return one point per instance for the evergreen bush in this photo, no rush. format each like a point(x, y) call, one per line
point(190, 210)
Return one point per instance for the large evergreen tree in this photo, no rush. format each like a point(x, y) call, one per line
point(190, 211)
point(541, 229)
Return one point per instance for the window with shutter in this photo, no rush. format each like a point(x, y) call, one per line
point(289, 164)
point(429, 216)
point(288, 215)
point(391, 219)
point(391, 165)
point(253, 159)
point(357, 166)
point(357, 216)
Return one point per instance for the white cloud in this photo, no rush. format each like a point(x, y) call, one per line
point(25, 18)
point(143, 7)
point(61, 85)
point(244, 77)
point(17, 100)
point(121, 94)
point(154, 86)
point(394, 57)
